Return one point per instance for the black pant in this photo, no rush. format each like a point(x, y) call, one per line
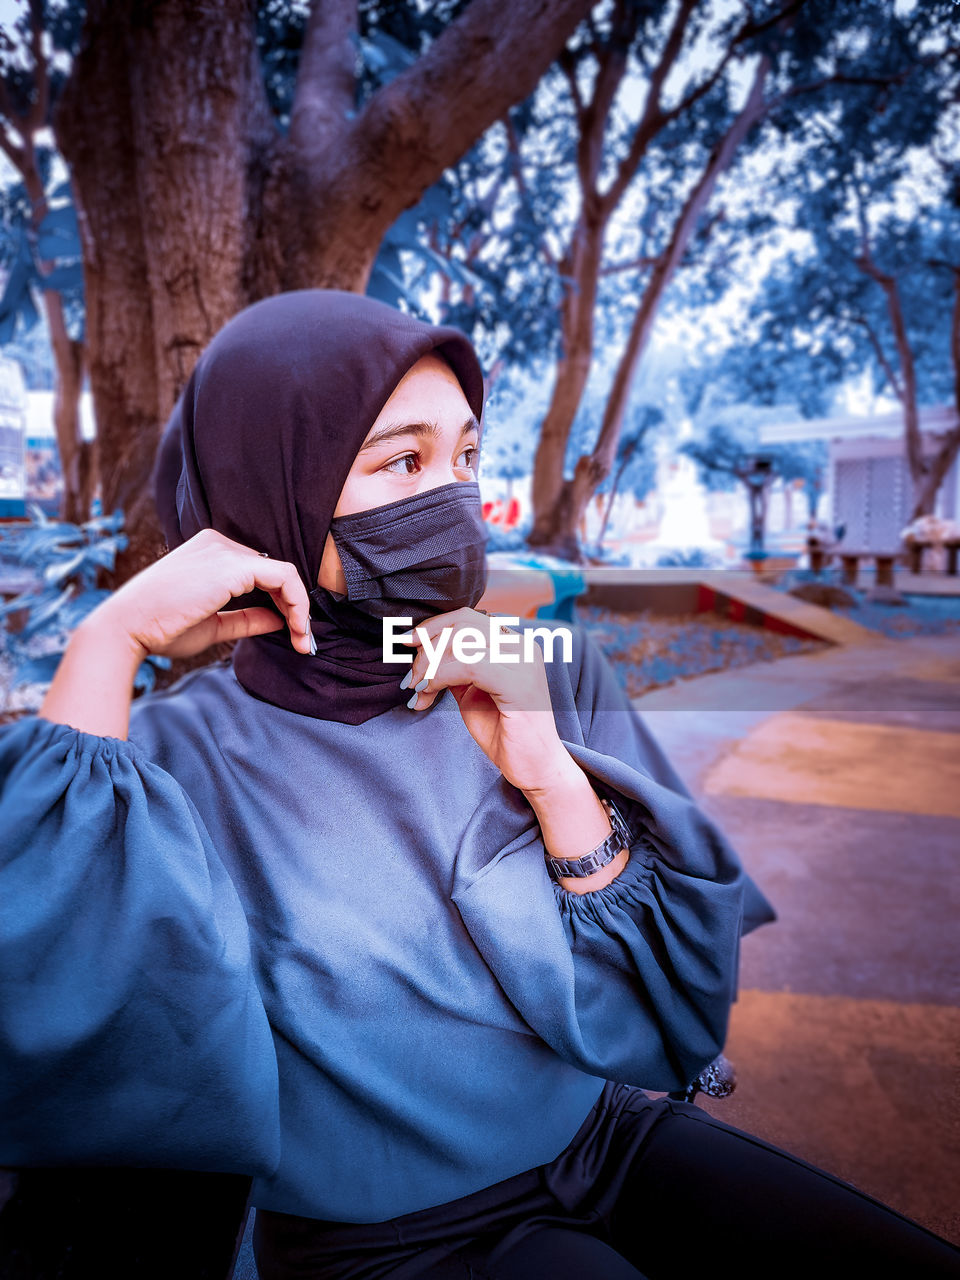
point(691, 1195)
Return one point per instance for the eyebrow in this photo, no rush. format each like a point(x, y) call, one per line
point(431, 429)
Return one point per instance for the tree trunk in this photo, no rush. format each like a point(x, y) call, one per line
point(165, 218)
point(927, 473)
point(554, 524)
point(557, 522)
point(611, 497)
point(936, 468)
point(77, 456)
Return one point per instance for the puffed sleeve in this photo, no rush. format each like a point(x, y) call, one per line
point(131, 1028)
point(632, 982)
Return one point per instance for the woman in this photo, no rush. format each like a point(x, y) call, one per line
point(317, 917)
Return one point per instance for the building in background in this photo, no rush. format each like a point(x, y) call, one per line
point(13, 417)
point(869, 486)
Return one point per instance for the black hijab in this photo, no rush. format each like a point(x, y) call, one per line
point(258, 447)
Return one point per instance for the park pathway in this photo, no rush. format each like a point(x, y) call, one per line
point(836, 775)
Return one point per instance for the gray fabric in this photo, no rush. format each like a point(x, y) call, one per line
point(444, 1015)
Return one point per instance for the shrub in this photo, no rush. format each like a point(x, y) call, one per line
point(66, 561)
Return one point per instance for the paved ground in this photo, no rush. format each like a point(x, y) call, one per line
point(837, 776)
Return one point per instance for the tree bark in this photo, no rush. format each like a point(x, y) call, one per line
point(552, 511)
point(164, 212)
point(925, 494)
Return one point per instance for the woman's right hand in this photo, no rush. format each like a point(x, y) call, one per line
point(174, 607)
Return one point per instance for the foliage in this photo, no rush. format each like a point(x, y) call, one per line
point(692, 558)
point(857, 91)
point(56, 245)
point(512, 417)
point(67, 560)
point(48, 256)
point(634, 469)
point(727, 443)
point(499, 539)
point(867, 188)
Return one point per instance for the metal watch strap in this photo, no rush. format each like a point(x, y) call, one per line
point(619, 838)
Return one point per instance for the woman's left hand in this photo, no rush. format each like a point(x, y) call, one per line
point(505, 705)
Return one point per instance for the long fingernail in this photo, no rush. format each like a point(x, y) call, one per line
point(405, 682)
point(412, 704)
point(407, 638)
point(422, 685)
point(313, 643)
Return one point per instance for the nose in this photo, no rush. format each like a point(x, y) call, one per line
point(435, 475)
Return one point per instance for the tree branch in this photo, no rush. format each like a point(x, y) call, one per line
point(326, 79)
point(891, 292)
point(889, 372)
point(652, 119)
point(671, 51)
point(813, 85)
point(611, 68)
point(567, 63)
point(516, 168)
point(666, 264)
point(748, 31)
point(487, 59)
point(37, 116)
point(635, 264)
point(7, 109)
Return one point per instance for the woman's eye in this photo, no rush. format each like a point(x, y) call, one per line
point(407, 465)
point(468, 458)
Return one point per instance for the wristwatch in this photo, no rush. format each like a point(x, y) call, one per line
point(619, 838)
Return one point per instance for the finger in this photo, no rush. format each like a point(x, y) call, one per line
point(282, 582)
point(425, 637)
point(433, 626)
point(301, 634)
point(513, 687)
point(450, 674)
point(237, 624)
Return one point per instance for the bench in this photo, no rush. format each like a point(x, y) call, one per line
point(850, 561)
point(915, 550)
point(820, 554)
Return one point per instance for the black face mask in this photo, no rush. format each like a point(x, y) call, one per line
point(413, 558)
